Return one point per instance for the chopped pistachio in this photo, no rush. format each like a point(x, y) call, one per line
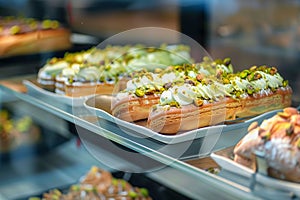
point(226, 81)
point(46, 24)
point(198, 102)
point(14, 29)
point(54, 24)
point(139, 92)
point(253, 68)
point(250, 91)
point(75, 188)
point(144, 192)
point(289, 130)
point(237, 94)
point(250, 77)
point(257, 76)
point(132, 194)
point(174, 104)
point(244, 73)
point(227, 61)
point(273, 70)
point(285, 83)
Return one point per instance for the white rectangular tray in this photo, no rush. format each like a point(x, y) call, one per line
point(217, 130)
point(34, 90)
point(225, 161)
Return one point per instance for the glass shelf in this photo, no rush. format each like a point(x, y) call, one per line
point(202, 180)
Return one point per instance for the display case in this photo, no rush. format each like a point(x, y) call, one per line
point(74, 135)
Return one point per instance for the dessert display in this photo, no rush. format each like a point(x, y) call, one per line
point(16, 132)
point(96, 71)
point(99, 184)
point(189, 99)
point(20, 36)
point(278, 138)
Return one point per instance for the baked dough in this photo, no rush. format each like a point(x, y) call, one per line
point(279, 139)
point(18, 37)
point(181, 100)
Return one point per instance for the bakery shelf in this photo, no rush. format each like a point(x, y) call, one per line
point(176, 173)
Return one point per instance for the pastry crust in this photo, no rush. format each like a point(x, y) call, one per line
point(279, 139)
point(190, 117)
point(133, 108)
point(35, 42)
point(86, 89)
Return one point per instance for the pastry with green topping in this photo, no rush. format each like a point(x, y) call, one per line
point(99, 184)
point(22, 36)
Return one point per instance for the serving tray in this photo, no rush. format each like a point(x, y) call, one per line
point(195, 143)
point(225, 160)
point(95, 104)
point(34, 90)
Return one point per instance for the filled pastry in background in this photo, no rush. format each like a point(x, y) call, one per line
point(99, 184)
point(96, 71)
point(278, 138)
point(23, 36)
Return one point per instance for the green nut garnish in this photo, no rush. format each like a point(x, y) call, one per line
point(238, 94)
point(144, 192)
point(285, 83)
point(244, 74)
point(33, 25)
point(114, 182)
point(75, 188)
point(54, 24)
point(250, 91)
point(226, 81)
point(250, 77)
point(132, 194)
point(289, 130)
point(14, 29)
point(174, 104)
point(253, 68)
point(139, 92)
point(227, 61)
point(46, 24)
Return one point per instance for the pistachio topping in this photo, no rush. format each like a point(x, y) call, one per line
point(14, 29)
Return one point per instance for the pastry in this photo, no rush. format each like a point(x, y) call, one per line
point(97, 71)
point(278, 138)
point(47, 74)
point(99, 184)
point(21, 36)
point(209, 101)
point(188, 97)
point(144, 90)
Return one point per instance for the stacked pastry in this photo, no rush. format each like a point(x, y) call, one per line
point(99, 184)
point(19, 36)
point(96, 71)
point(190, 96)
point(278, 138)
